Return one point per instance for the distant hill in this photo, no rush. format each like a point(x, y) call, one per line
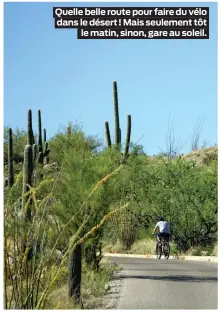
point(203, 155)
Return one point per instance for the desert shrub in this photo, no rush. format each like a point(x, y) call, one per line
point(215, 250)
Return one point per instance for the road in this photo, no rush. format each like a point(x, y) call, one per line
point(167, 284)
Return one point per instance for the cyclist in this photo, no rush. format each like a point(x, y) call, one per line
point(163, 229)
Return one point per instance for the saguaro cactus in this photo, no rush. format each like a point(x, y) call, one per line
point(117, 126)
point(27, 177)
point(10, 159)
point(75, 268)
point(116, 115)
point(27, 207)
point(30, 140)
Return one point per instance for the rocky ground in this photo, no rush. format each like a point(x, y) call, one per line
point(112, 297)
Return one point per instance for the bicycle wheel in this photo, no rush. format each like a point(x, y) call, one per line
point(158, 251)
point(166, 250)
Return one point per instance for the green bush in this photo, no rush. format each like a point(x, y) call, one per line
point(198, 251)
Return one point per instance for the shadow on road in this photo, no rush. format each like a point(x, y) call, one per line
point(152, 270)
point(163, 270)
point(179, 278)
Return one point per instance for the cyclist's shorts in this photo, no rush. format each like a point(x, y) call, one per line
point(165, 235)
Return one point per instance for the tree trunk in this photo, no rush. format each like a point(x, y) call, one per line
point(75, 268)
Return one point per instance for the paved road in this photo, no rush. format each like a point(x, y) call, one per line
point(167, 284)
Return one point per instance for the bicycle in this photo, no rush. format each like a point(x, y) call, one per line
point(163, 247)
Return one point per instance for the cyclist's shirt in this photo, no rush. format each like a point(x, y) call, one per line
point(164, 227)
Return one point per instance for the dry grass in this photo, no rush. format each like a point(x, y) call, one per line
point(93, 289)
point(145, 246)
point(215, 251)
point(58, 300)
point(114, 248)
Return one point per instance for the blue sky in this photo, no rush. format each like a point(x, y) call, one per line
point(71, 79)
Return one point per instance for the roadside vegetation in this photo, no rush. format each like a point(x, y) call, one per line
point(69, 199)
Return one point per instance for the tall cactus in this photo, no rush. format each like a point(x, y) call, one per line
point(10, 159)
point(30, 130)
point(40, 148)
point(74, 269)
point(117, 126)
point(27, 177)
point(31, 139)
point(27, 207)
point(116, 115)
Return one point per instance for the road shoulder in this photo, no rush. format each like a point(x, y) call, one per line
point(181, 258)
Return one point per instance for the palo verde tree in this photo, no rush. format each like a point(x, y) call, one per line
point(80, 170)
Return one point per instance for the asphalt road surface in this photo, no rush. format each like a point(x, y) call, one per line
point(167, 284)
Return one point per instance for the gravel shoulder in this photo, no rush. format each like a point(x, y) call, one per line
point(112, 298)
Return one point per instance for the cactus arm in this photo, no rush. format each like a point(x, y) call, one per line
point(45, 135)
point(107, 134)
point(127, 145)
point(40, 148)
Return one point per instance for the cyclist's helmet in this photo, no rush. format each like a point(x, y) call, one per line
point(161, 219)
